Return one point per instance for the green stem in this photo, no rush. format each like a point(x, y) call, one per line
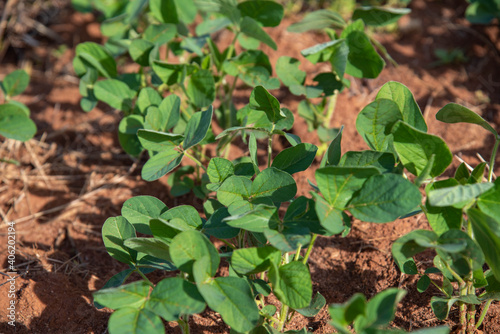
point(184, 325)
point(383, 50)
point(232, 45)
point(145, 278)
point(270, 149)
point(492, 161)
point(331, 109)
point(283, 316)
point(309, 249)
point(459, 279)
point(198, 162)
point(297, 254)
point(483, 313)
point(228, 244)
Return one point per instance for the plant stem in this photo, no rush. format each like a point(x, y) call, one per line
point(184, 325)
point(270, 149)
point(198, 162)
point(309, 249)
point(283, 316)
point(297, 254)
point(145, 278)
point(331, 109)
point(227, 243)
point(232, 45)
point(492, 161)
point(483, 313)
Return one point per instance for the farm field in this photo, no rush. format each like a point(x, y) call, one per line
point(74, 174)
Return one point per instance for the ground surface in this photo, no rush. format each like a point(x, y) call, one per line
point(74, 175)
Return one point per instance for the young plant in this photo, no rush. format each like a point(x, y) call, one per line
point(15, 122)
point(351, 51)
point(159, 94)
point(268, 234)
point(373, 316)
point(462, 211)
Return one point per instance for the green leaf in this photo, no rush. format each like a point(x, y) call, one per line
point(402, 96)
point(139, 50)
point(139, 210)
point(344, 314)
point(317, 303)
point(489, 202)
point(158, 141)
point(333, 152)
point(127, 134)
point(15, 83)
point(130, 320)
point(160, 34)
point(114, 282)
point(477, 174)
point(164, 10)
point(14, 123)
point(172, 73)
point(274, 183)
point(251, 28)
point(415, 148)
point(234, 188)
point(161, 164)
point(189, 246)
point(259, 219)
point(441, 306)
point(404, 248)
point(318, 20)
point(247, 60)
point(232, 298)
point(455, 113)
point(116, 93)
point(166, 230)
point(383, 161)
point(219, 169)
point(296, 158)
point(289, 238)
point(166, 116)
point(130, 295)
point(201, 89)
point(338, 184)
point(288, 71)
point(147, 97)
point(216, 225)
point(423, 283)
point(292, 284)
point(375, 121)
point(174, 297)
point(197, 127)
point(381, 309)
point(379, 16)
point(94, 56)
point(462, 174)
point(253, 260)
point(209, 27)
point(442, 219)
point(487, 234)
point(363, 60)
point(330, 217)
point(187, 214)
point(384, 198)
point(267, 13)
point(461, 193)
point(149, 246)
point(261, 99)
point(114, 233)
